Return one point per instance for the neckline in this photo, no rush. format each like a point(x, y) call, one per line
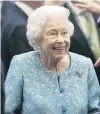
point(55, 73)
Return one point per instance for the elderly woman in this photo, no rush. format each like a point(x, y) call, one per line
point(51, 80)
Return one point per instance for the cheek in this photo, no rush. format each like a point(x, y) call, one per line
point(67, 41)
point(67, 44)
point(47, 44)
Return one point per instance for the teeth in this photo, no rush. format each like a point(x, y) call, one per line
point(58, 48)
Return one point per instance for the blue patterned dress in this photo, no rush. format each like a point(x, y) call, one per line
point(76, 91)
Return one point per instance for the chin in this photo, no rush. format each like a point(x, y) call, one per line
point(58, 57)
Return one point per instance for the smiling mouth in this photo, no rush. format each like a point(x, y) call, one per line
point(58, 48)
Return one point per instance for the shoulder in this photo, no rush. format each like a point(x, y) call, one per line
point(28, 56)
point(12, 15)
point(80, 60)
point(21, 64)
point(78, 57)
point(25, 62)
point(12, 24)
point(7, 4)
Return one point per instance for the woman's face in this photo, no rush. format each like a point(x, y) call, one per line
point(55, 41)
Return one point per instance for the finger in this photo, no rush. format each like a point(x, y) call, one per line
point(79, 2)
point(81, 6)
point(97, 63)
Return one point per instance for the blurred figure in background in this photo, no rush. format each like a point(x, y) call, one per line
point(86, 38)
point(13, 29)
point(93, 7)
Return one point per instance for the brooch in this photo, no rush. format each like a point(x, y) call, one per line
point(79, 72)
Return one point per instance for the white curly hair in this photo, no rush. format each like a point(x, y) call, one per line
point(38, 19)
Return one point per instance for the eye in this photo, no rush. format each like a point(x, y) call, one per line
point(64, 33)
point(52, 33)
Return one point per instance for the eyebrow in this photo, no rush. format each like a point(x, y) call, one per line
point(62, 29)
point(52, 30)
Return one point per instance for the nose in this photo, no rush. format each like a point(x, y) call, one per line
point(60, 39)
